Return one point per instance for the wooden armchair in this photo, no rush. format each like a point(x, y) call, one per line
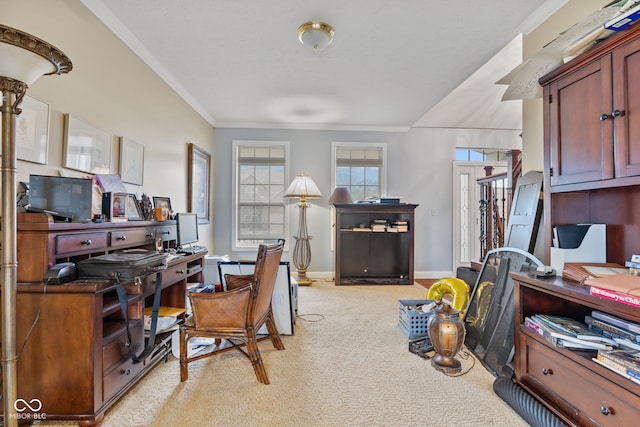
point(237, 314)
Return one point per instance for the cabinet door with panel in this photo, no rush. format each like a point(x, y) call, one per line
point(626, 109)
point(580, 130)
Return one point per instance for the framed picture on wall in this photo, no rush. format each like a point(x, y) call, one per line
point(199, 172)
point(86, 148)
point(131, 161)
point(32, 131)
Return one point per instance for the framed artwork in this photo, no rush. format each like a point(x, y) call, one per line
point(162, 202)
point(199, 170)
point(131, 161)
point(86, 148)
point(32, 131)
point(134, 212)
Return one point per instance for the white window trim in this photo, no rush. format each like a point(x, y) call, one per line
point(383, 173)
point(236, 245)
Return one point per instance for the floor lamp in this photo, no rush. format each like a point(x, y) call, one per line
point(23, 59)
point(304, 188)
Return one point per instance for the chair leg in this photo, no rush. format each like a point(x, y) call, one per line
point(184, 364)
point(273, 332)
point(256, 360)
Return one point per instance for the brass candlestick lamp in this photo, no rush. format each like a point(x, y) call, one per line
point(303, 187)
point(23, 59)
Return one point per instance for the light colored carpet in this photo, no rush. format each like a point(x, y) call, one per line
point(347, 364)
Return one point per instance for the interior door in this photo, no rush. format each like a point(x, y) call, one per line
point(466, 214)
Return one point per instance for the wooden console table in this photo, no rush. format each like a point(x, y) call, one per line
point(76, 361)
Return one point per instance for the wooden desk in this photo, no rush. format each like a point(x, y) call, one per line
point(76, 361)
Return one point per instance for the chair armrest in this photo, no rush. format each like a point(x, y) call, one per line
point(237, 280)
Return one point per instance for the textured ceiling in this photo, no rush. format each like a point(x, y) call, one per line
point(240, 64)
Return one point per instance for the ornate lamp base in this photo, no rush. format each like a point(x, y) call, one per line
point(302, 278)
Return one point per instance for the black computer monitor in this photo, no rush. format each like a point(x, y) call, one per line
point(187, 224)
point(66, 198)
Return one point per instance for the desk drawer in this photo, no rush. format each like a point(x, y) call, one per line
point(598, 398)
point(116, 351)
point(173, 274)
point(167, 232)
point(72, 244)
point(119, 377)
point(131, 237)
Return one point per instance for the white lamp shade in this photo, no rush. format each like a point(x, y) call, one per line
point(25, 58)
point(303, 186)
point(23, 65)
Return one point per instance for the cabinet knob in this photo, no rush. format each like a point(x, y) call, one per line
point(604, 117)
point(121, 238)
point(149, 234)
point(604, 410)
point(180, 272)
point(616, 113)
point(87, 242)
point(127, 372)
point(547, 371)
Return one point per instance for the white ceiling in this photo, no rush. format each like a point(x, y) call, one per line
point(239, 62)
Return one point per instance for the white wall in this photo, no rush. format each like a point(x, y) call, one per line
point(112, 89)
point(419, 170)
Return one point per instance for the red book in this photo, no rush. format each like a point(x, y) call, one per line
point(615, 296)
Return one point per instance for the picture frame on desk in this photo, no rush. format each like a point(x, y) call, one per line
point(133, 209)
point(114, 206)
point(162, 202)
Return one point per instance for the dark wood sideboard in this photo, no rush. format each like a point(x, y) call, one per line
point(364, 256)
point(76, 360)
point(591, 175)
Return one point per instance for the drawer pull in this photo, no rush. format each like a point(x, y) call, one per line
point(604, 117)
point(547, 371)
point(149, 235)
point(87, 242)
point(121, 238)
point(605, 411)
point(165, 232)
point(180, 272)
point(616, 113)
point(127, 371)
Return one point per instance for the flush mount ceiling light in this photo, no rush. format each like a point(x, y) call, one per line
point(315, 35)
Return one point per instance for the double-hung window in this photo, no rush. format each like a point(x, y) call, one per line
point(361, 168)
point(260, 178)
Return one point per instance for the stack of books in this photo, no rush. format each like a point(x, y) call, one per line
point(623, 288)
point(624, 332)
point(379, 225)
point(564, 332)
point(399, 226)
point(623, 362)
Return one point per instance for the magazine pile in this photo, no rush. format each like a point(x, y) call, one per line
point(616, 340)
point(565, 332)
